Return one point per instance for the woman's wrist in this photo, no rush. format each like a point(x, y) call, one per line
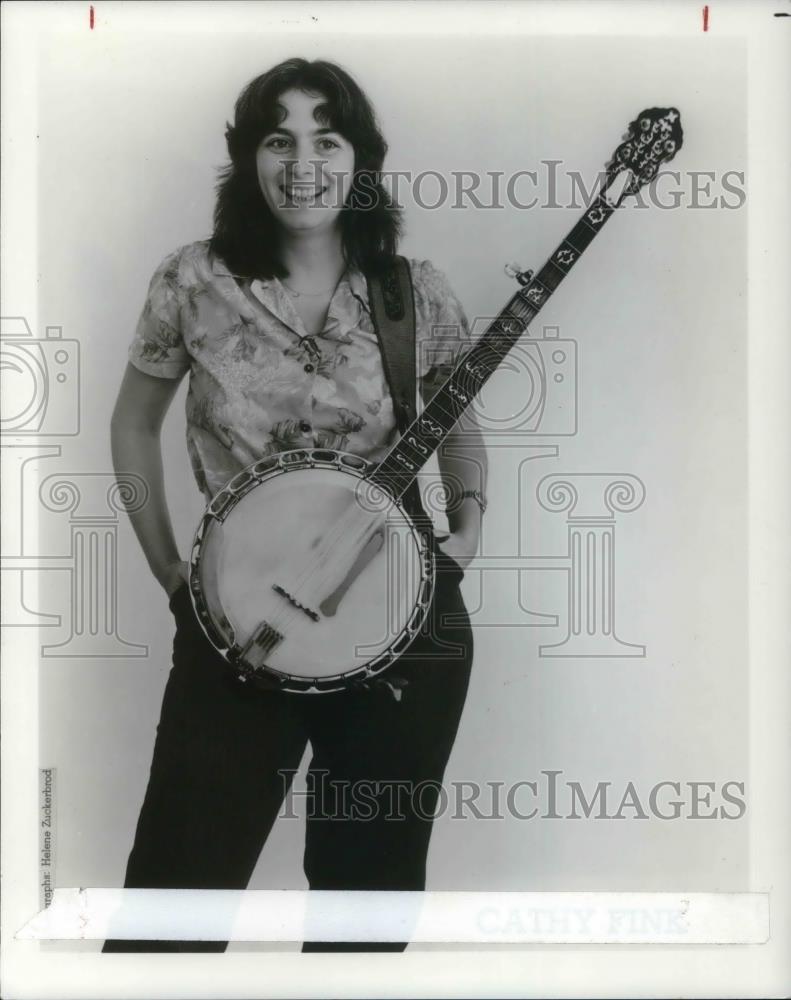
point(172, 576)
point(466, 519)
point(477, 496)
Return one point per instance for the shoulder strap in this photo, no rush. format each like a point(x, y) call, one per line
point(392, 301)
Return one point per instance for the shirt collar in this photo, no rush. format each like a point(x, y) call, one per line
point(355, 278)
point(349, 307)
point(346, 309)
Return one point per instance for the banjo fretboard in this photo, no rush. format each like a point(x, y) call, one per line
point(425, 434)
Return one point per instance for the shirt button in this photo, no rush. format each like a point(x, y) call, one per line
point(305, 427)
point(309, 368)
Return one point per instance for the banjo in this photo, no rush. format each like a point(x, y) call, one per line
point(307, 572)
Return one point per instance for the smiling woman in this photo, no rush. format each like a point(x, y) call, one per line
point(305, 173)
point(303, 122)
point(303, 165)
point(273, 320)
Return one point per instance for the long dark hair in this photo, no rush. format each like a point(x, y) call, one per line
point(246, 235)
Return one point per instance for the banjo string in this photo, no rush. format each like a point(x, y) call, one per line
point(335, 535)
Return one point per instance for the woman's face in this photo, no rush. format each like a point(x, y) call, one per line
point(305, 169)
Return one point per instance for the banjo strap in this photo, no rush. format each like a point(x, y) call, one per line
point(392, 300)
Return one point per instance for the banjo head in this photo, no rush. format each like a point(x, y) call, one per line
point(305, 576)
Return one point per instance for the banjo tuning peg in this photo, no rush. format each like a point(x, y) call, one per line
point(516, 271)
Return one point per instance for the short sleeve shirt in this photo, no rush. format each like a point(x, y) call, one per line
point(259, 384)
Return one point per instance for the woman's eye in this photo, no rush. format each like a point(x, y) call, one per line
point(328, 144)
point(278, 143)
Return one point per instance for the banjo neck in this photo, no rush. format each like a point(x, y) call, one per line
point(653, 138)
point(398, 470)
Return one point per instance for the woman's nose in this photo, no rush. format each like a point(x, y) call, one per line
point(306, 165)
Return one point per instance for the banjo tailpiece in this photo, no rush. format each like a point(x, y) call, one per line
point(261, 643)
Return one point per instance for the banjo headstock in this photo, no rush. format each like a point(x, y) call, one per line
point(653, 138)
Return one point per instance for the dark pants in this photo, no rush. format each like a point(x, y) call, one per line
point(217, 785)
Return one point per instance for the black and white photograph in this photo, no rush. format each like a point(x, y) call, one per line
point(395, 481)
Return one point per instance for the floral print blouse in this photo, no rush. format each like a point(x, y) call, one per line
point(259, 384)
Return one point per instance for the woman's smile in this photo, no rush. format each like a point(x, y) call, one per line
point(302, 195)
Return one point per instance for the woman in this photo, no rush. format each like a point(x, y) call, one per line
point(271, 318)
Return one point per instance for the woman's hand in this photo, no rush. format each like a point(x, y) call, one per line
point(173, 576)
point(461, 546)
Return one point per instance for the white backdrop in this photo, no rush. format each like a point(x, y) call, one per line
point(130, 136)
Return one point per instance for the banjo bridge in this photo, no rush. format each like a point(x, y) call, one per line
point(261, 643)
point(292, 600)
